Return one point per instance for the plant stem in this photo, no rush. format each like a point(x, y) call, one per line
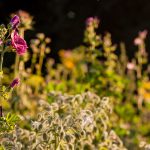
point(1, 74)
point(41, 58)
point(17, 56)
point(16, 65)
point(1, 111)
point(1, 61)
point(33, 61)
point(1, 66)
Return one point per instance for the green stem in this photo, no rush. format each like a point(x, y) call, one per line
point(1, 61)
point(40, 64)
point(1, 66)
point(41, 59)
point(17, 56)
point(1, 73)
point(33, 62)
point(22, 32)
point(16, 65)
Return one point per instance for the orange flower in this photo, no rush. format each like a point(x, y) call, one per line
point(67, 59)
point(69, 64)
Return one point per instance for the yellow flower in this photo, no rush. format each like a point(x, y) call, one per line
point(146, 85)
point(144, 90)
point(35, 81)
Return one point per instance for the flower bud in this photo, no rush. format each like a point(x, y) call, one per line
point(15, 21)
point(15, 82)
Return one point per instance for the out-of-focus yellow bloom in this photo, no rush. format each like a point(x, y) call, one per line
point(35, 81)
point(144, 90)
point(146, 85)
point(5, 103)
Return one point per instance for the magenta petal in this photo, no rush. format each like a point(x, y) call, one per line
point(18, 43)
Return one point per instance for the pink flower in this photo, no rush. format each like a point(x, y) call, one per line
point(92, 20)
point(15, 82)
point(15, 21)
point(89, 20)
point(130, 66)
point(18, 43)
point(138, 41)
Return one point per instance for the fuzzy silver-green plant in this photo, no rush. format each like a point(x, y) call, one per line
point(71, 122)
point(145, 146)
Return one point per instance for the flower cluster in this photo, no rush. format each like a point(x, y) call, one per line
point(17, 42)
point(9, 40)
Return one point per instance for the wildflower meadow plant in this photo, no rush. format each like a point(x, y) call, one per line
point(95, 66)
point(10, 41)
point(56, 101)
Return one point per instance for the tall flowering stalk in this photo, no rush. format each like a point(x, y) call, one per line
point(24, 24)
point(10, 40)
point(91, 39)
point(40, 49)
point(141, 60)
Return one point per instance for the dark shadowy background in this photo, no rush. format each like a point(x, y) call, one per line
point(63, 20)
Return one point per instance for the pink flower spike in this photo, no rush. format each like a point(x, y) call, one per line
point(15, 21)
point(15, 82)
point(92, 20)
point(89, 20)
point(18, 43)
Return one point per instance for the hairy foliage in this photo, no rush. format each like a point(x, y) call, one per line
point(71, 122)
